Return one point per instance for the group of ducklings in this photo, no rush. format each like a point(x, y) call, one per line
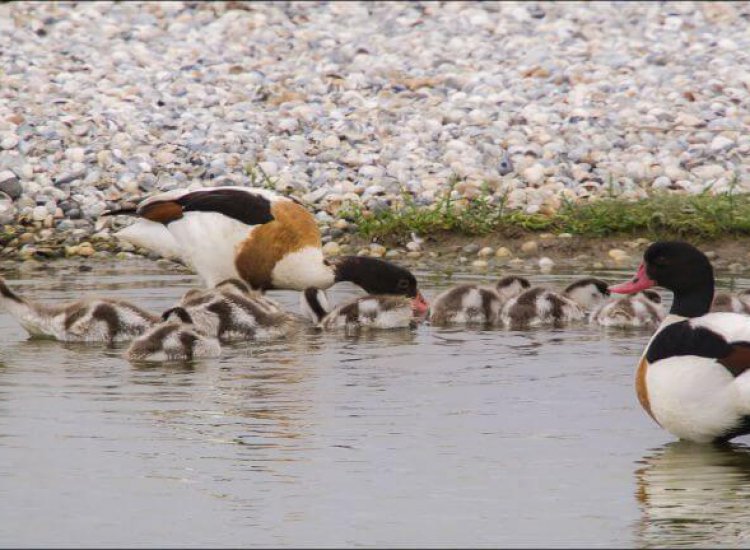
point(232, 311)
point(513, 303)
point(202, 320)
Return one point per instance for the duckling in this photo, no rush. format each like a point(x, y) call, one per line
point(473, 304)
point(87, 320)
point(540, 306)
point(643, 309)
point(724, 301)
point(232, 311)
point(174, 339)
point(365, 312)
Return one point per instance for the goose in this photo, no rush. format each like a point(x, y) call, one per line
point(692, 378)
point(173, 339)
point(365, 312)
point(268, 240)
point(233, 311)
point(643, 309)
point(87, 320)
point(473, 304)
point(539, 306)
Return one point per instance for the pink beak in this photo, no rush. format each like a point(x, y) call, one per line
point(419, 305)
point(636, 284)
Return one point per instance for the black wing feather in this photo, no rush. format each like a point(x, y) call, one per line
point(234, 203)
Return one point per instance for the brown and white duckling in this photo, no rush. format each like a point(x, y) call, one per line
point(643, 309)
point(474, 304)
point(232, 311)
point(724, 301)
point(540, 306)
point(268, 240)
point(87, 320)
point(365, 312)
point(174, 339)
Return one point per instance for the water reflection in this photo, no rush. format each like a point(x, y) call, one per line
point(694, 495)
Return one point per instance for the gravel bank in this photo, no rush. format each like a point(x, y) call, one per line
point(102, 103)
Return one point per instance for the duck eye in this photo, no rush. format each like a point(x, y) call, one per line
point(402, 284)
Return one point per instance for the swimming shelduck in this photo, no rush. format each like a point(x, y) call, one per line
point(174, 339)
point(233, 311)
point(267, 240)
point(365, 312)
point(693, 377)
point(474, 304)
point(539, 306)
point(87, 320)
point(643, 309)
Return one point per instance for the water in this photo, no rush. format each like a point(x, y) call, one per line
point(436, 437)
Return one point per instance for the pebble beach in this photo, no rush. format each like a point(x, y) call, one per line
point(343, 104)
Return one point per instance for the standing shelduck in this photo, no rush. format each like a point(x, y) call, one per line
point(693, 377)
point(268, 240)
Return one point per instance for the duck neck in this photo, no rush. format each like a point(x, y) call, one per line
point(693, 303)
point(360, 270)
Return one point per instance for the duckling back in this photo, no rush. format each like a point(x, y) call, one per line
point(87, 320)
point(638, 310)
point(232, 311)
point(540, 306)
point(365, 312)
point(466, 304)
point(174, 339)
point(723, 301)
point(473, 304)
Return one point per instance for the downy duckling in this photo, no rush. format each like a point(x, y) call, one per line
point(365, 312)
point(174, 339)
point(473, 304)
point(638, 310)
point(539, 306)
point(232, 311)
point(87, 320)
point(724, 301)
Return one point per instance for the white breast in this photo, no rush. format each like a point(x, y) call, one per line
point(302, 269)
point(693, 397)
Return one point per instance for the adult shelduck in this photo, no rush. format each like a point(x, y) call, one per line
point(475, 304)
point(693, 376)
point(87, 320)
point(268, 240)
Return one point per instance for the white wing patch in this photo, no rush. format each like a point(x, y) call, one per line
point(209, 243)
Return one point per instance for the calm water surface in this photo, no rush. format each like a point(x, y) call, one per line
point(433, 437)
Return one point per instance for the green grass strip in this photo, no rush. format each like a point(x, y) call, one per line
point(704, 216)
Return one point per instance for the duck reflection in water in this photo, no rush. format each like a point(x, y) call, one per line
point(694, 495)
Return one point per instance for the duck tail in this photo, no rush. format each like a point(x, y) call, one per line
point(127, 211)
point(314, 304)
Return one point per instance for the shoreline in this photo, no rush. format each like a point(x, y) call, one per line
point(443, 254)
